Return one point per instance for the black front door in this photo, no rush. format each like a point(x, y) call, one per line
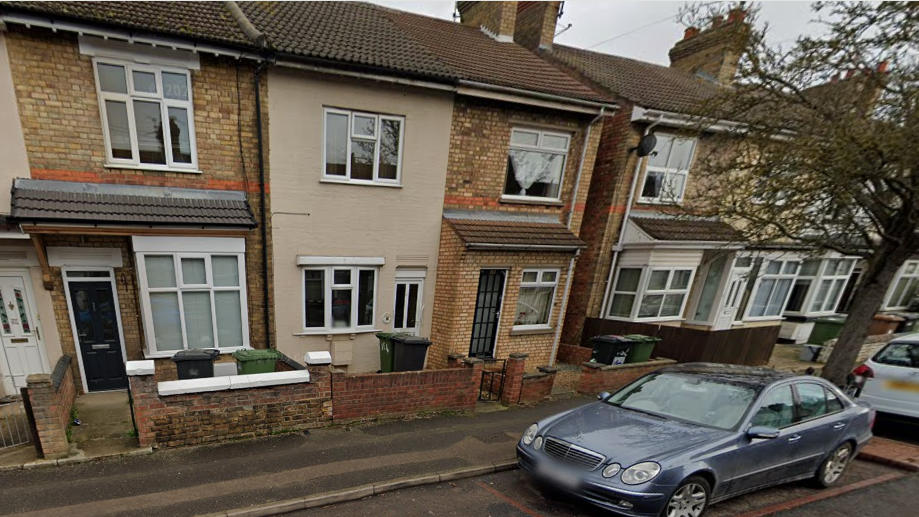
point(97, 334)
point(487, 312)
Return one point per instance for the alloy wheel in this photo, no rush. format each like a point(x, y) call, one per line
point(688, 501)
point(836, 465)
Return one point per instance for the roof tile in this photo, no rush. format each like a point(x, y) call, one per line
point(515, 234)
point(668, 229)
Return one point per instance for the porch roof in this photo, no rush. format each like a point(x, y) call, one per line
point(697, 230)
point(515, 235)
point(45, 201)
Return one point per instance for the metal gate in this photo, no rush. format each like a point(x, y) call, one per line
point(14, 423)
point(492, 384)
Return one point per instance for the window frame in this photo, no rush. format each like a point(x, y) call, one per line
point(328, 286)
point(538, 283)
point(763, 275)
point(379, 118)
point(541, 133)
point(799, 415)
point(643, 290)
point(419, 303)
point(795, 416)
point(182, 287)
point(668, 171)
point(833, 279)
point(911, 278)
point(165, 103)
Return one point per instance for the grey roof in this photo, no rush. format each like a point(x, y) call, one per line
point(45, 201)
point(645, 84)
point(518, 235)
point(671, 229)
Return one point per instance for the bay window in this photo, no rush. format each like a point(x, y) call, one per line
point(362, 147)
point(667, 170)
point(904, 287)
point(537, 294)
point(660, 293)
point(193, 300)
point(536, 164)
point(147, 115)
point(773, 288)
point(339, 298)
point(833, 280)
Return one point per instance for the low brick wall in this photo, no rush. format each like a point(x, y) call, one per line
point(369, 396)
point(574, 354)
point(596, 377)
point(212, 416)
point(52, 397)
point(537, 387)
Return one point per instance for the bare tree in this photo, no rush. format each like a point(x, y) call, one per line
point(822, 150)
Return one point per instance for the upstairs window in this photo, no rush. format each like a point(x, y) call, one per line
point(147, 115)
point(536, 164)
point(668, 168)
point(362, 147)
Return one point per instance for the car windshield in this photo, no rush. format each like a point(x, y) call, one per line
point(695, 399)
point(899, 354)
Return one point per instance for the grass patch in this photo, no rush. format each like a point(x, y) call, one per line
point(73, 416)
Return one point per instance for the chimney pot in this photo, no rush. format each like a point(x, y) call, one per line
point(690, 32)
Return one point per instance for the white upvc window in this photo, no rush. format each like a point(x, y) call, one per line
point(536, 164)
point(339, 298)
point(772, 289)
point(363, 148)
point(833, 280)
point(147, 115)
point(668, 169)
point(193, 300)
point(904, 288)
point(537, 295)
point(408, 307)
point(660, 293)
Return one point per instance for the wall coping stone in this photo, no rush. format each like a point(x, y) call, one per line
point(456, 357)
point(236, 382)
point(473, 360)
point(147, 367)
point(547, 369)
point(659, 361)
point(63, 364)
point(518, 356)
point(39, 379)
point(536, 375)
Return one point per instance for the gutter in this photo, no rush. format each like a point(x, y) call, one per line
point(523, 247)
point(671, 119)
point(598, 106)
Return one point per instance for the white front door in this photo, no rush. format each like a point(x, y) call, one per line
point(21, 350)
point(409, 307)
point(730, 304)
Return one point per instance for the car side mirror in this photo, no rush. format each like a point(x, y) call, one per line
point(603, 395)
point(762, 432)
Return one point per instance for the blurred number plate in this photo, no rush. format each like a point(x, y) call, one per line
point(562, 478)
point(902, 386)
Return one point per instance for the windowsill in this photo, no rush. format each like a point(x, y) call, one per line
point(527, 200)
point(335, 332)
point(659, 202)
point(361, 183)
point(152, 168)
point(531, 331)
point(645, 320)
point(759, 318)
point(167, 355)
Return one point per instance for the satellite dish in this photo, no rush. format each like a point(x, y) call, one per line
point(646, 145)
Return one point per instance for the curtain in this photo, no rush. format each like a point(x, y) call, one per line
point(533, 306)
point(534, 167)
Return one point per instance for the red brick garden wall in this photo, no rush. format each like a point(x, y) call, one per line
point(536, 387)
point(574, 354)
point(51, 398)
point(596, 377)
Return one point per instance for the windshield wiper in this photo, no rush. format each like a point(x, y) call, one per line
point(641, 411)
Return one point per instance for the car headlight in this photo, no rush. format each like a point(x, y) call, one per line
point(611, 470)
point(530, 434)
point(537, 443)
point(641, 473)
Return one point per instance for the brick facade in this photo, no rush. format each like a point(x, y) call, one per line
point(497, 17)
point(573, 354)
point(535, 25)
point(62, 128)
point(596, 377)
point(51, 398)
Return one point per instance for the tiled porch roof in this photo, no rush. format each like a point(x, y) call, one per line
point(665, 229)
point(515, 235)
point(41, 201)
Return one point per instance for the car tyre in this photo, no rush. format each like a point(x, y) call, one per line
point(690, 499)
point(834, 466)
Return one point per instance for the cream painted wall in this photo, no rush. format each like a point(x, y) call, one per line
point(310, 217)
point(14, 162)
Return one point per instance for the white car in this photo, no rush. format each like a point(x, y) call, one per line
point(891, 378)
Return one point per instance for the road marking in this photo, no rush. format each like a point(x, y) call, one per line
point(508, 500)
point(826, 494)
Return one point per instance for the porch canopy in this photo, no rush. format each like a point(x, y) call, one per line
point(501, 231)
point(45, 206)
point(698, 233)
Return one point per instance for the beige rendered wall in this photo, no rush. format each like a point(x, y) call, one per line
point(14, 162)
point(310, 217)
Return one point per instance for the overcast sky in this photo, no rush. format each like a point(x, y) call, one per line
point(654, 24)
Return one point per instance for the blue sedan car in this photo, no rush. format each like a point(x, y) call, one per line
point(680, 439)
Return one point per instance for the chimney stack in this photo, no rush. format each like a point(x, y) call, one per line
point(536, 24)
point(713, 52)
point(497, 19)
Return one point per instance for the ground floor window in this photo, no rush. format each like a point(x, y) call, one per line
point(339, 298)
point(193, 299)
point(537, 294)
point(904, 287)
point(660, 293)
point(773, 288)
point(408, 305)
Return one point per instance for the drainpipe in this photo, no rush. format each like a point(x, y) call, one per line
point(617, 248)
point(261, 191)
point(574, 198)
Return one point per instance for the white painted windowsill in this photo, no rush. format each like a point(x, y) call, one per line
point(154, 168)
point(334, 332)
point(362, 183)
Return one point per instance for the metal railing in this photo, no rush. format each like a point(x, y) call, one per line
point(14, 423)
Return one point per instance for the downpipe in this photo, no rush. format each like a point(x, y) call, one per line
point(262, 208)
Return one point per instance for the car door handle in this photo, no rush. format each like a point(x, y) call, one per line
point(839, 426)
point(793, 439)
